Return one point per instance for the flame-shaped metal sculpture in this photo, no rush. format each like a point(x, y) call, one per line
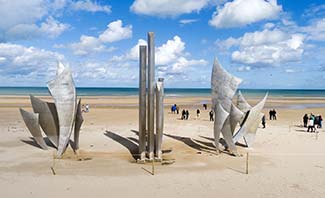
point(223, 86)
point(58, 119)
point(227, 115)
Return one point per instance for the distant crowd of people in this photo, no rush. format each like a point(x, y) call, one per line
point(312, 121)
point(186, 114)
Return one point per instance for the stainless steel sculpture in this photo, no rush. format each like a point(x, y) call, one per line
point(58, 119)
point(151, 94)
point(248, 129)
point(48, 118)
point(64, 93)
point(160, 116)
point(142, 101)
point(224, 86)
point(150, 141)
point(78, 122)
point(242, 104)
point(32, 123)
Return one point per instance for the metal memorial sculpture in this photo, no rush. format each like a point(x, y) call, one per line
point(149, 141)
point(59, 119)
point(227, 115)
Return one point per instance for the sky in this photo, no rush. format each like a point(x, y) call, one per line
point(269, 44)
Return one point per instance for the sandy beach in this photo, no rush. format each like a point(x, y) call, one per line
point(285, 160)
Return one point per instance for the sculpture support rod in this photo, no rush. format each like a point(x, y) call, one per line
point(159, 116)
point(142, 101)
point(151, 93)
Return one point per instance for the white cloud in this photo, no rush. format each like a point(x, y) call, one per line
point(243, 68)
point(25, 64)
point(290, 71)
point(315, 31)
point(267, 47)
point(52, 28)
point(167, 8)
point(115, 32)
point(243, 12)
point(17, 12)
point(187, 21)
point(21, 18)
point(171, 58)
point(271, 54)
point(90, 6)
point(88, 45)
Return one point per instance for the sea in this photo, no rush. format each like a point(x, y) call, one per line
point(171, 92)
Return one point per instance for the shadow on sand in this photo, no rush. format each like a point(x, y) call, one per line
point(32, 142)
point(126, 142)
point(206, 147)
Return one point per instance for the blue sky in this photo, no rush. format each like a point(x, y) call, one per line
point(269, 44)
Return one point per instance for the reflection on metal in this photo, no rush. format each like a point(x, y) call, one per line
point(235, 116)
point(249, 128)
point(220, 118)
point(142, 101)
point(46, 119)
point(159, 116)
point(223, 86)
point(242, 104)
point(64, 93)
point(151, 94)
point(31, 121)
point(78, 122)
point(58, 119)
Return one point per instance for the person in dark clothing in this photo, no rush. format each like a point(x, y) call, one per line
point(305, 120)
point(263, 121)
point(205, 106)
point(177, 109)
point(183, 114)
point(270, 113)
point(320, 121)
point(316, 122)
point(187, 114)
point(211, 115)
point(274, 114)
point(198, 113)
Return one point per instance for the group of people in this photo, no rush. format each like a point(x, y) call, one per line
point(185, 114)
point(272, 114)
point(312, 121)
point(175, 109)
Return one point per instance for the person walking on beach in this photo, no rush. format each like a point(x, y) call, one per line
point(263, 121)
point(320, 121)
point(211, 115)
point(305, 120)
point(177, 109)
point(271, 114)
point(187, 114)
point(205, 106)
point(311, 123)
point(183, 114)
point(198, 113)
point(274, 114)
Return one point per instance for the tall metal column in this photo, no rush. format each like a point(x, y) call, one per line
point(151, 94)
point(142, 101)
point(159, 116)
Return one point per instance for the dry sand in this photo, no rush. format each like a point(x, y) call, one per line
point(286, 161)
